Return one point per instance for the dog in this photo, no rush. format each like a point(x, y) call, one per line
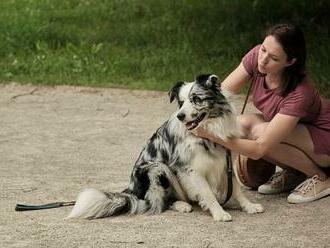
point(176, 167)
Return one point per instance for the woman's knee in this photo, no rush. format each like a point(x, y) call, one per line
point(249, 122)
point(245, 124)
point(258, 129)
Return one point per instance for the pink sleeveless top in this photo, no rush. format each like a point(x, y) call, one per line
point(303, 102)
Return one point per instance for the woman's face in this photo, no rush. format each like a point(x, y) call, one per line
point(272, 59)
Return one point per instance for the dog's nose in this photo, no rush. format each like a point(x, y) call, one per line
point(181, 116)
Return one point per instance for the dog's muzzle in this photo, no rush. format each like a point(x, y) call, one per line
point(190, 125)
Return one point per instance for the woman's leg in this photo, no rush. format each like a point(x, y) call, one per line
point(290, 156)
point(316, 186)
point(254, 125)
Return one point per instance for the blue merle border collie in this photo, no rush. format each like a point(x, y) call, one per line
point(176, 167)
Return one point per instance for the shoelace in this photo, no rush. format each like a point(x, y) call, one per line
point(277, 178)
point(307, 185)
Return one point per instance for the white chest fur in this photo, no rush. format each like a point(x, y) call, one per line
point(209, 164)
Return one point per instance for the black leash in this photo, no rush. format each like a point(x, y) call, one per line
point(229, 157)
point(229, 176)
point(23, 207)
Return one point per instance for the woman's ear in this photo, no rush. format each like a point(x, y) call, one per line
point(291, 62)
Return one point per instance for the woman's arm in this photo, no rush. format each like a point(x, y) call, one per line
point(275, 132)
point(235, 80)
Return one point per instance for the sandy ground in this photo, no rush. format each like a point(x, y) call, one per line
point(56, 141)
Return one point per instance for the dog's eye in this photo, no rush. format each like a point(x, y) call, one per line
point(180, 103)
point(196, 99)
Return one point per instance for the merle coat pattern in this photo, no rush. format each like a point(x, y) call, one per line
point(176, 167)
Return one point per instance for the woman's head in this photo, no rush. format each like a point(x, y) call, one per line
point(284, 51)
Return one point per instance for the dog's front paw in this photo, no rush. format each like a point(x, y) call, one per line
point(224, 216)
point(181, 206)
point(253, 208)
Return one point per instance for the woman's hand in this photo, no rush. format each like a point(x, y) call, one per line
point(205, 134)
point(201, 132)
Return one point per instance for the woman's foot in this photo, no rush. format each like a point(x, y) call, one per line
point(282, 181)
point(310, 190)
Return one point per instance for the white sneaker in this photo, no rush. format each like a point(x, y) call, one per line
point(310, 190)
point(282, 181)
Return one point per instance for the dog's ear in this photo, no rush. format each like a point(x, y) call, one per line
point(174, 92)
point(202, 78)
point(213, 81)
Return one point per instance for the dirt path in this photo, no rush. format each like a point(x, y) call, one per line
point(55, 141)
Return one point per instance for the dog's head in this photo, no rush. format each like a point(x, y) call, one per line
point(199, 100)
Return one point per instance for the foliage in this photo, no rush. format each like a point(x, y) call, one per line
point(146, 44)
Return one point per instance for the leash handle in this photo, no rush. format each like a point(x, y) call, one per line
point(24, 207)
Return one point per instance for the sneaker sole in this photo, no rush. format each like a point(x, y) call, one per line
point(324, 193)
point(269, 192)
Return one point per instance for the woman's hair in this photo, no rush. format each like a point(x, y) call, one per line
point(292, 41)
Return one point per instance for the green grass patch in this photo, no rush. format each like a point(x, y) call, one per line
point(146, 44)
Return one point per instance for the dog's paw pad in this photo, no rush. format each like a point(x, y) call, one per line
point(181, 206)
point(254, 208)
point(223, 217)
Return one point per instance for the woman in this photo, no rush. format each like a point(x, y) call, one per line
point(291, 111)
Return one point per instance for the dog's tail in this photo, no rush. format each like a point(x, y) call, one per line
point(92, 204)
point(162, 183)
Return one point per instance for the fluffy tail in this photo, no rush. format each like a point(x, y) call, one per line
point(92, 204)
point(162, 183)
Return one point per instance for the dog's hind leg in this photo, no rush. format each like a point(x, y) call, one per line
point(163, 186)
point(198, 189)
point(243, 201)
point(159, 190)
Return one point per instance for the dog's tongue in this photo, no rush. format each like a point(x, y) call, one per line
point(191, 125)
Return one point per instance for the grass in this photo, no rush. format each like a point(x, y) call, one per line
point(146, 44)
